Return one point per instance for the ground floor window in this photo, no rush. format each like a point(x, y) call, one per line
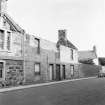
point(37, 69)
point(1, 69)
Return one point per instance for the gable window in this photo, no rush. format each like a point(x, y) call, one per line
point(2, 33)
point(72, 54)
point(37, 43)
point(8, 40)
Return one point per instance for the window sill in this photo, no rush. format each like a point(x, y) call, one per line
point(5, 51)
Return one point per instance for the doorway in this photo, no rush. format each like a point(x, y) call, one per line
point(51, 72)
point(58, 77)
point(63, 72)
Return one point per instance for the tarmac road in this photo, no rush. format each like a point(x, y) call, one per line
point(82, 92)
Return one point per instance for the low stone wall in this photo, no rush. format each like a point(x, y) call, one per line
point(86, 70)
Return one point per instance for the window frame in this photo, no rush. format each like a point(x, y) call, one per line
point(38, 47)
point(9, 41)
point(3, 42)
point(3, 70)
point(5, 39)
point(72, 54)
point(39, 72)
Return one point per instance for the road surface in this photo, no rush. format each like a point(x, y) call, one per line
point(82, 92)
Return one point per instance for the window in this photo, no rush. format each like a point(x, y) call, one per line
point(1, 69)
point(37, 43)
point(72, 54)
point(2, 39)
point(8, 40)
point(37, 69)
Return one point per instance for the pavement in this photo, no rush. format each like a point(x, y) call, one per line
point(89, 91)
point(42, 84)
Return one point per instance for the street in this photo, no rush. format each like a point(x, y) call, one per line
point(82, 92)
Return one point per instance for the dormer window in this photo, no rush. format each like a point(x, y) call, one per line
point(8, 40)
point(5, 40)
point(2, 34)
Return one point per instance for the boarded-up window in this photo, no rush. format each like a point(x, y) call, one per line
point(1, 39)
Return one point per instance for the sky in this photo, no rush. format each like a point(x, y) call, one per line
point(84, 20)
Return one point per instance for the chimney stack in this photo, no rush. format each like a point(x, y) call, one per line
point(94, 49)
point(3, 6)
point(62, 34)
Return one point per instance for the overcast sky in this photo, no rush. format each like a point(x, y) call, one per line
point(83, 19)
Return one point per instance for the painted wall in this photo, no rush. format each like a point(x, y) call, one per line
point(16, 44)
point(65, 55)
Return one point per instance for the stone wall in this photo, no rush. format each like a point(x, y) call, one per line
point(14, 72)
point(86, 70)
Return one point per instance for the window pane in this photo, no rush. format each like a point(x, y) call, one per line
point(1, 39)
point(0, 73)
point(37, 69)
point(1, 69)
point(72, 54)
point(8, 40)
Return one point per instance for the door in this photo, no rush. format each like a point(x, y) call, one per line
point(51, 72)
point(58, 72)
point(63, 72)
point(72, 70)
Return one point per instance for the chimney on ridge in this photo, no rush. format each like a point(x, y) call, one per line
point(62, 34)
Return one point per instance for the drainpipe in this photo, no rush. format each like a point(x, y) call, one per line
point(47, 69)
point(23, 44)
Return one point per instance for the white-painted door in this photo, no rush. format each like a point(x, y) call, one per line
point(72, 69)
point(50, 71)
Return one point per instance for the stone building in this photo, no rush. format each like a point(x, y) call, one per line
point(11, 45)
point(27, 58)
point(48, 61)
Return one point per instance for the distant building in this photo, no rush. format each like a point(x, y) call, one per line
point(88, 56)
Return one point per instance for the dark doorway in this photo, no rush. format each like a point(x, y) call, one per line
point(63, 72)
point(58, 72)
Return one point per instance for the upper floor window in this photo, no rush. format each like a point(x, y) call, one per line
point(8, 40)
point(2, 34)
point(72, 54)
point(37, 43)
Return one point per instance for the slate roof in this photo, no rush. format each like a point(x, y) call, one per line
point(66, 43)
point(87, 55)
point(12, 23)
point(101, 61)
